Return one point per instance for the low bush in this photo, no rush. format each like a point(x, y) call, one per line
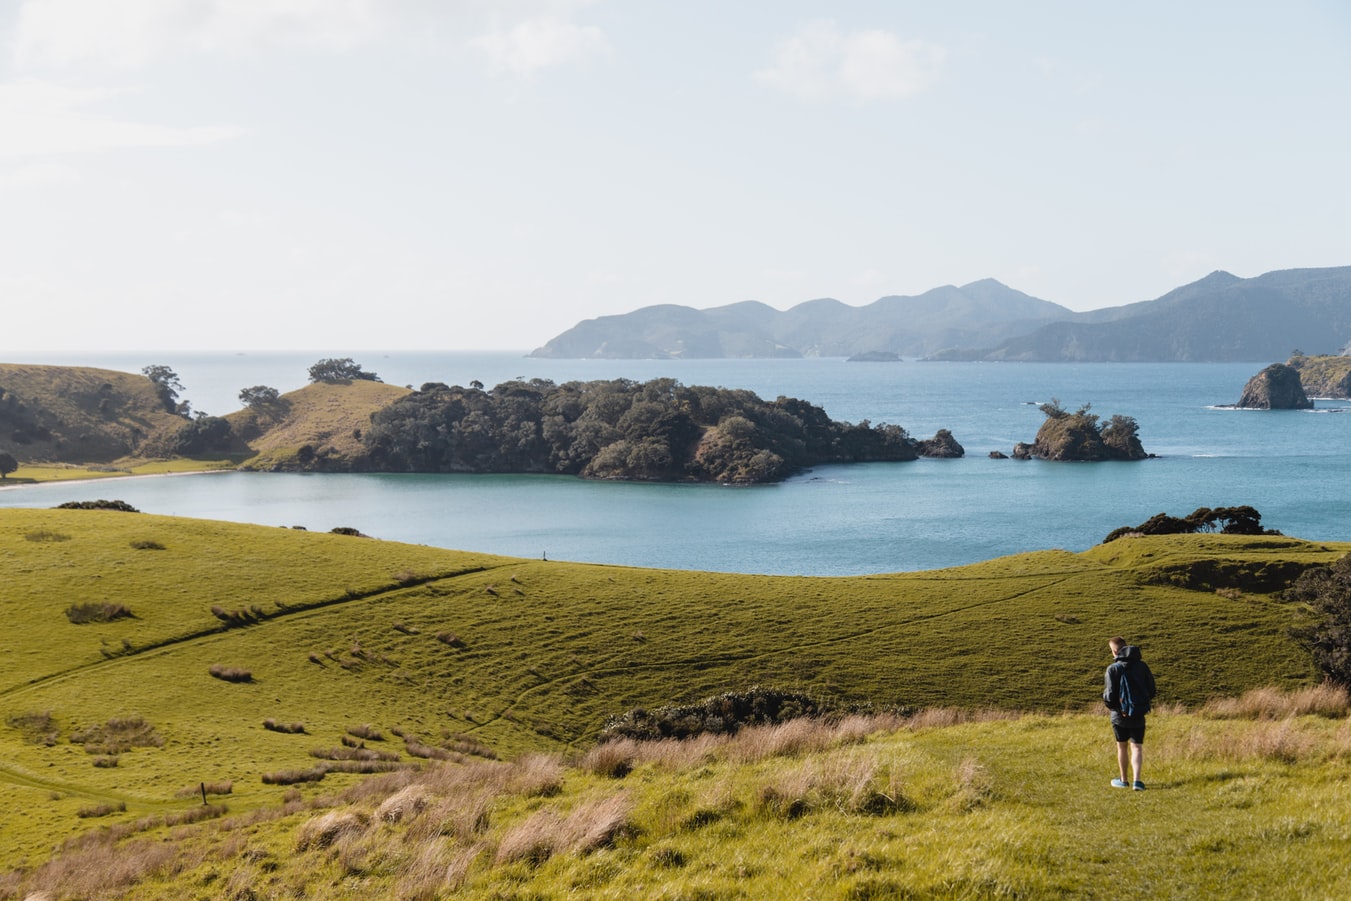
point(196, 814)
point(230, 673)
point(118, 735)
point(450, 639)
point(233, 618)
point(79, 614)
point(352, 754)
point(45, 535)
point(145, 544)
point(725, 713)
point(294, 777)
point(366, 732)
point(211, 788)
point(120, 506)
point(101, 810)
point(288, 728)
point(39, 728)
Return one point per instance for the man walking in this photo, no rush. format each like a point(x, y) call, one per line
point(1127, 691)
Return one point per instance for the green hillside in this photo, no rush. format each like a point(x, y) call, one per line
point(77, 413)
point(216, 628)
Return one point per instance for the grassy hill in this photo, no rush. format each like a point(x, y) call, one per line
point(328, 418)
point(78, 414)
point(62, 422)
point(254, 658)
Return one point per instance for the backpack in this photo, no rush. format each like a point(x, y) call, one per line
point(1133, 700)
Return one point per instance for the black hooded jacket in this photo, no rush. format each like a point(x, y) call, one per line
point(1128, 665)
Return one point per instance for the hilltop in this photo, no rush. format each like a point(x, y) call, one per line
point(148, 655)
point(78, 413)
point(1219, 318)
point(315, 427)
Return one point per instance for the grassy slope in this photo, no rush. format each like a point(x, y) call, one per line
point(996, 809)
point(544, 651)
point(329, 417)
point(91, 415)
point(97, 418)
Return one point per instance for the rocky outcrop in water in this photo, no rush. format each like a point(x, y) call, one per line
point(942, 444)
point(1277, 387)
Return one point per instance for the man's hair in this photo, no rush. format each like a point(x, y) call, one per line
point(1117, 643)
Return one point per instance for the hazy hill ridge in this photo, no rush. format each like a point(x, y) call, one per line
point(1219, 318)
point(979, 314)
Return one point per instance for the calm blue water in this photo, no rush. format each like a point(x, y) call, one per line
point(1292, 466)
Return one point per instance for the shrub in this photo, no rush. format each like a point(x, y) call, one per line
point(196, 814)
point(118, 735)
point(230, 673)
point(233, 618)
point(1327, 591)
point(212, 788)
point(725, 713)
point(120, 506)
point(450, 639)
point(101, 810)
point(96, 613)
point(293, 777)
point(288, 728)
point(38, 727)
point(145, 544)
point(366, 732)
point(352, 754)
point(45, 535)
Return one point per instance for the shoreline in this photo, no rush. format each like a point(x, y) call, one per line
point(95, 476)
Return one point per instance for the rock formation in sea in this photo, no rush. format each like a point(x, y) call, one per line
point(942, 444)
point(1277, 387)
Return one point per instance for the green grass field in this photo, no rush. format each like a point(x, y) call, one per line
point(481, 660)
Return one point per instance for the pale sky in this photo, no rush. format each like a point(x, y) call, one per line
point(483, 174)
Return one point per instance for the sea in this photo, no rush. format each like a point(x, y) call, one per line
point(848, 519)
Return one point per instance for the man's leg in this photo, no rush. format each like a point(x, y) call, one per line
point(1123, 758)
point(1137, 757)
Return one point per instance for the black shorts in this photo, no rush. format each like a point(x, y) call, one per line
point(1132, 730)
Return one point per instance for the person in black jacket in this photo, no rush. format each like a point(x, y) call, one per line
point(1127, 691)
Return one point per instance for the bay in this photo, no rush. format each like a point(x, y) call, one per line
point(1292, 466)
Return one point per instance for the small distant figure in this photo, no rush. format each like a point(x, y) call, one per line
point(1128, 689)
point(545, 556)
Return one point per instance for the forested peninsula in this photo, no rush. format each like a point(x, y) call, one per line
point(659, 430)
point(347, 420)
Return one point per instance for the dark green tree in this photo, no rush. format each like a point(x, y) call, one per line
point(259, 397)
point(1327, 591)
point(167, 386)
point(7, 464)
point(340, 369)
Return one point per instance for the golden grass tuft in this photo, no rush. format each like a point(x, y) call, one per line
point(588, 827)
point(325, 829)
point(1327, 700)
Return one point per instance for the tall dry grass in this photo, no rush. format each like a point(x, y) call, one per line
point(589, 826)
point(1326, 700)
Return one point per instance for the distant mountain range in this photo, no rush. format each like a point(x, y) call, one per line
point(1220, 318)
